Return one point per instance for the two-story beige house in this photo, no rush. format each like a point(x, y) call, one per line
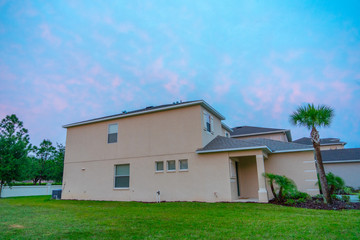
point(176, 152)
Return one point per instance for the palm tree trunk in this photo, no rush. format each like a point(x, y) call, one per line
point(320, 166)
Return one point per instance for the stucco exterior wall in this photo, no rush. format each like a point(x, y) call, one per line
point(167, 132)
point(350, 172)
point(298, 166)
point(207, 179)
point(218, 129)
point(143, 140)
point(274, 136)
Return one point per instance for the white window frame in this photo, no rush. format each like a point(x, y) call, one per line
point(207, 117)
point(167, 166)
point(227, 134)
point(117, 132)
point(159, 171)
point(121, 176)
point(185, 169)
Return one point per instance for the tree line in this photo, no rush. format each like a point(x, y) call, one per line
point(19, 160)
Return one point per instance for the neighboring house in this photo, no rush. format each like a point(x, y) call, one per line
point(181, 150)
point(344, 163)
point(246, 132)
point(325, 143)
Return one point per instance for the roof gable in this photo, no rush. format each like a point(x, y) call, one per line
point(150, 109)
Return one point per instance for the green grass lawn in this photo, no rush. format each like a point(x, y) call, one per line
point(43, 218)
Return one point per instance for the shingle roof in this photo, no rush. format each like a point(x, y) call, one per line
point(242, 130)
point(323, 141)
point(251, 130)
point(341, 155)
point(150, 109)
point(221, 144)
point(278, 146)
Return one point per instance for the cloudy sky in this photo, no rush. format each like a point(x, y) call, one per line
point(254, 61)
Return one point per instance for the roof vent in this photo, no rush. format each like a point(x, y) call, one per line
point(149, 107)
point(124, 111)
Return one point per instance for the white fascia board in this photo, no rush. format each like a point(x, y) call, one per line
point(233, 149)
point(294, 150)
point(262, 133)
point(226, 127)
point(211, 109)
point(341, 161)
point(201, 102)
point(328, 144)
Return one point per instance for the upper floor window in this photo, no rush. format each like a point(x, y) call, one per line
point(227, 134)
point(208, 122)
point(112, 133)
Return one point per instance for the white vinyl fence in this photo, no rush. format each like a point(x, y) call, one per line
point(17, 191)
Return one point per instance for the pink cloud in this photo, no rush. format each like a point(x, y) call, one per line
point(48, 35)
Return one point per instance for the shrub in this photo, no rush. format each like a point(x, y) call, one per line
point(345, 198)
point(335, 197)
point(290, 202)
point(335, 183)
point(281, 186)
point(318, 196)
point(299, 195)
point(301, 200)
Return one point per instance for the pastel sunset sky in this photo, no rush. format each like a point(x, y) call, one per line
point(253, 61)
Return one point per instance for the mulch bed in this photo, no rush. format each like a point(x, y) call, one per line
point(316, 203)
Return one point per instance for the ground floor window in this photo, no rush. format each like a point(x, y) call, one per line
point(122, 176)
point(171, 165)
point(159, 166)
point(183, 164)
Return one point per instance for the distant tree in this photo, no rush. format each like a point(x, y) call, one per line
point(14, 147)
point(42, 161)
point(57, 164)
point(312, 117)
point(33, 169)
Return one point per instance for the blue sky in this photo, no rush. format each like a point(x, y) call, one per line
point(254, 61)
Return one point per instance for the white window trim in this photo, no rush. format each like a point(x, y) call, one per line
point(184, 170)
point(167, 166)
point(211, 123)
point(117, 133)
point(121, 188)
point(159, 171)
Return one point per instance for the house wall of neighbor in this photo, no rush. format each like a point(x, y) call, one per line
point(274, 136)
point(349, 171)
point(298, 166)
point(142, 140)
point(332, 147)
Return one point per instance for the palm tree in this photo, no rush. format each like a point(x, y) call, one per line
point(312, 117)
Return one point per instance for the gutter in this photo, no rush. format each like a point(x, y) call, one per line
point(341, 161)
point(226, 127)
point(254, 148)
point(294, 150)
point(233, 149)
